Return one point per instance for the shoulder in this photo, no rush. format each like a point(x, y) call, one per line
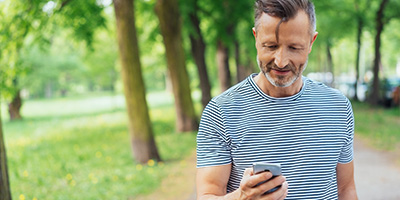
point(236, 93)
point(323, 92)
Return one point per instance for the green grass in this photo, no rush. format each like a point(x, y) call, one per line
point(79, 148)
point(379, 126)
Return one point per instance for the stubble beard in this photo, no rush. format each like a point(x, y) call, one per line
point(280, 80)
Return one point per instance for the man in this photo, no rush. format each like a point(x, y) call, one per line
point(278, 116)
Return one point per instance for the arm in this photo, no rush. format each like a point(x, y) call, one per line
point(211, 183)
point(345, 180)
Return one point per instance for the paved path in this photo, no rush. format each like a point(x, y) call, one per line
point(376, 175)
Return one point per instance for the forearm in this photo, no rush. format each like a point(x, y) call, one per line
point(348, 194)
point(229, 196)
point(345, 179)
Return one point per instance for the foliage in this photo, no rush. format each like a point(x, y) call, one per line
point(88, 156)
point(100, 63)
point(57, 74)
point(14, 28)
point(39, 20)
point(151, 46)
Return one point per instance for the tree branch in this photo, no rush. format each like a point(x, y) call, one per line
point(64, 3)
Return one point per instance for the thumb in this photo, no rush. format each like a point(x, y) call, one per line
point(248, 172)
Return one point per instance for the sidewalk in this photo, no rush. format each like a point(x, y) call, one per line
point(376, 174)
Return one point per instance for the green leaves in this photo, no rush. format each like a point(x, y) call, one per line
point(82, 17)
point(38, 23)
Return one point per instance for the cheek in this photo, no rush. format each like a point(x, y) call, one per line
point(299, 59)
point(263, 54)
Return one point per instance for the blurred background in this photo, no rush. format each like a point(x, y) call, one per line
point(100, 99)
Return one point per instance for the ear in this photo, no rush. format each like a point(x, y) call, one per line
point(254, 32)
point(313, 40)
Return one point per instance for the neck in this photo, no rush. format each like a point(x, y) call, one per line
point(277, 92)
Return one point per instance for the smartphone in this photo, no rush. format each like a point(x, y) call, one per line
point(274, 168)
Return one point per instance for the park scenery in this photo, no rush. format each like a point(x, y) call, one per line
point(101, 99)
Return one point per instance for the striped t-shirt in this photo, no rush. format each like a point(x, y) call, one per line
point(308, 133)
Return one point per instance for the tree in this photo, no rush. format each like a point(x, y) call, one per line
point(226, 27)
point(360, 13)
point(38, 19)
point(5, 193)
point(143, 144)
point(198, 48)
point(330, 25)
point(14, 106)
point(224, 72)
point(170, 25)
point(375, 97)
point(387, 10)
point(14, 30)
point(229, 24)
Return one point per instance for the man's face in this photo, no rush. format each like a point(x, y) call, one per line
point(283, 61)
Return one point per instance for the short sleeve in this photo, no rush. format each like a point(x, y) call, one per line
point(212, 142)
point(346, 154)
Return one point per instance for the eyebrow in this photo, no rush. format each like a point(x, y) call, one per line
point(275, 43)
point(297, 44)
point(269, 43)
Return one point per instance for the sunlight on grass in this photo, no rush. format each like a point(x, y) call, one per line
point(75, 152)
point(379, 126)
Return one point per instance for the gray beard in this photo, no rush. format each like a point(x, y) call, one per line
point(274, 83)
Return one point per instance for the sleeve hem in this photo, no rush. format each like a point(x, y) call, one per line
point(212, 165)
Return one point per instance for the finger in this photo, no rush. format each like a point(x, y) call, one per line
point(256, 179)
point(248, 172)
point(279, 194)
point(284, 190)
point(273, 183)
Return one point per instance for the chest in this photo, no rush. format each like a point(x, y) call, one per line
point(306, 135)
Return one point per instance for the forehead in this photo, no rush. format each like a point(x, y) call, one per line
point(296, 29)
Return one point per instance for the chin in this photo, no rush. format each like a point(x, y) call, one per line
point(278, 83)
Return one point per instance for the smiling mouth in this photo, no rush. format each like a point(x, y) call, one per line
point(280, 72)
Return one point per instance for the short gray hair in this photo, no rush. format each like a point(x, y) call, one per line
point(284, 9)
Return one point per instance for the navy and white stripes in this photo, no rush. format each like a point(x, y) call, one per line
point(308, 134)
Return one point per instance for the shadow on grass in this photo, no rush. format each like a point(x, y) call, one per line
point(62, 116)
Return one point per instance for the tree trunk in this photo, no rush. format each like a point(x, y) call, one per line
point(241, 72)
point(170, 25)
point(5, 193)
point(224, 74)
point(375, 97)
point(143, 145)
point(198, 52)
point(14, 107)
point(360, 25)
point(330, 63)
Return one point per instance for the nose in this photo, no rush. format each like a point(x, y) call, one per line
point(281, 58)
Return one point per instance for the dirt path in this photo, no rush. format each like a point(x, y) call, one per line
point(377, 177)
point(179, 185)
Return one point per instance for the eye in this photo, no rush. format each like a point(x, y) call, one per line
point(294, 48)
point(272, 46)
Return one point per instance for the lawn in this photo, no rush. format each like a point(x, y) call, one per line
point(79, 148)
point(378, 126)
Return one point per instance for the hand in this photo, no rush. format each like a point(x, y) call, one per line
point(249, 191)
